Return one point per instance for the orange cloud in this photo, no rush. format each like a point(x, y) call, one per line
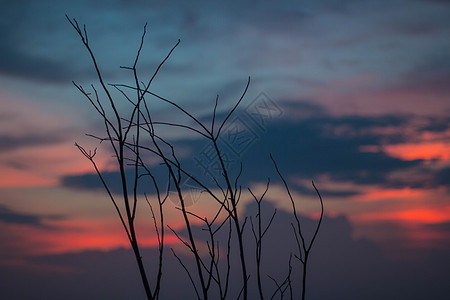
point(386, 194)
point(426, 151)
point(421, 215)
point(74, 236)
point(11, 177)
point(400, 231)
point(43, 165)
point(417, 215)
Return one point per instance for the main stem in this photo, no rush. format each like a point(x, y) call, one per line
point(235, 218)
point(130, 217)
point(304, 276)
point(138, 256)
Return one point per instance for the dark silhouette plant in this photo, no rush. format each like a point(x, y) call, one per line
point(133, 137)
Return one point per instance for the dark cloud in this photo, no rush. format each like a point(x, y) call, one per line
point(309, 148)
point(312, 145)
point(437, 124)
point(8, 215)
point(25, 65)
point(33, 136)
point(301, 109)
point(11, 143)
point(114, 181)
point(442, 177)
point(91, 181)
point(308, 190)
point(18, 55)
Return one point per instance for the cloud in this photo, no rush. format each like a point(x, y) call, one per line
point(114, 181)
point(42, 46)
point(308, 143)
point(10, 216)
point(309, 148)
point(41, 69)
point(11, 143)
point(25, 125)
point(442, 177)
point(20, 56)
point(443, 228)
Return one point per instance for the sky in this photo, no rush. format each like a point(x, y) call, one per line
point(354, 95)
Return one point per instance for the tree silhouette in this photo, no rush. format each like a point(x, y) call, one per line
point(135, 136)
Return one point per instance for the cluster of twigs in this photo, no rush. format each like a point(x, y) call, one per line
point(135, 134)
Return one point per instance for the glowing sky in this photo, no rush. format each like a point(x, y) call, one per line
point(362, 106)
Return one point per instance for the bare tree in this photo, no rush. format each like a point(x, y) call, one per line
point(135, 136)
point(304, 247)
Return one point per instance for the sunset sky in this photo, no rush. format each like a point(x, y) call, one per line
point(354, 95)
